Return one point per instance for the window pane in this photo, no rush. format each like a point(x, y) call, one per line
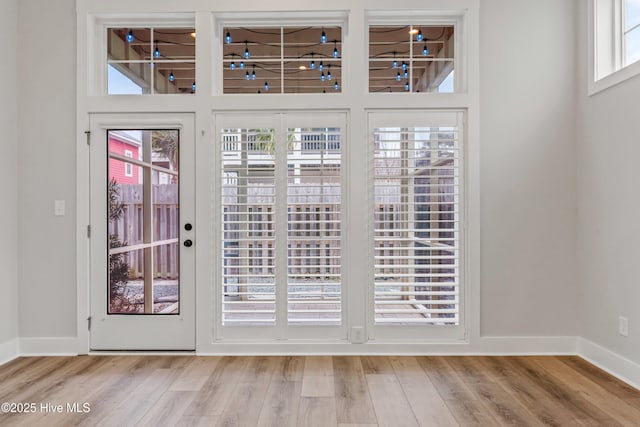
point(143, 213)
point(632, 46)
point(282, 60)
point(416, 226)
point(632, 14)
point(157, 60)
point(410, 58)
point(248, 227)
point(314, 219)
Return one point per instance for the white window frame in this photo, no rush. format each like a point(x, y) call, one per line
point(274, 20)
point(281, 329)
point(606, 51)
point(424, 18)
point(128, 167)
point(424, 333)
point(97, 62)
point(94, 16)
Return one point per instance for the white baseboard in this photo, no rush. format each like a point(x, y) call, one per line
point(490, 346)
point(620, 367)
point(48, 346)
point(8, 351)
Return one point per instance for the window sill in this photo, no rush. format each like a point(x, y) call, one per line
point(614, 78)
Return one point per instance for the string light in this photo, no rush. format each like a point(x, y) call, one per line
point(312, 64)
point(253, 73)
point(335, 49)
point(232, 66)
point(404, 65)
point(247, 76)
point(247, 55)
point(398, 76)
point(419, 36)
point(406, 74)
point(227, 38)
point(336, 86)
point(394, 64)
point(193, 87)
point(172, 77)
point(323, 37)
point(321, 66)
point(425, 50)
point(156, 53)
point(266, 86)
point(322, 77)
point(329, 76)
point(406, 86)
point(130, 37)
point(242, 65)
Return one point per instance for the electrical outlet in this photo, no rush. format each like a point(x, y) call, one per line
point(623, 326)
point(357, 335)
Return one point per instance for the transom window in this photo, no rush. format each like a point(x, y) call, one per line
point(282, 59)
point(151, 60)
point(411, 58)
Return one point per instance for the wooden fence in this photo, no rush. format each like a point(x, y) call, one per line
point(166, 225)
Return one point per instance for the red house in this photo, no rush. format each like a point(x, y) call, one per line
point(124, 144)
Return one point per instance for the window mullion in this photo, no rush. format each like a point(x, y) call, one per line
point(281, 216)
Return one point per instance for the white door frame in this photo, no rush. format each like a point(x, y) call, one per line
point(131, 331)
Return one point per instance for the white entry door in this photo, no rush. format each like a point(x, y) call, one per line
point(142, 232)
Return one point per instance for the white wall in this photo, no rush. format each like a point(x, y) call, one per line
point(8, 174)
point(608, 155)
point(46, 125)
point(528, 168)
point(528, 184)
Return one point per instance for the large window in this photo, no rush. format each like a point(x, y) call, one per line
point(417, 166)
point(282, 59)
point(281, 221)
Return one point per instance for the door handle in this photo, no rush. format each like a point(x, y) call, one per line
point(188, 226)
point(188, 243)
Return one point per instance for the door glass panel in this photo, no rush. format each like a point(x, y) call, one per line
point(144, 216)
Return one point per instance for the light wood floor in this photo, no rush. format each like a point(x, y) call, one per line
point(317, 391)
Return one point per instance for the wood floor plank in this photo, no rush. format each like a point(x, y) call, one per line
point(168, 410)
point(389, 402)
point(530, 394)
point(127, 375)
point(133, 407)
point(216, 391)
point(195, 374)
point(291, 368)
point(427, 404)
point(506, 409)
point(353, 403)
point(198, 421)
point(318, 365)
point(617, 408)
point(576, 403)
point(246, 402)
point(605, 380)
point(317, 386)
point(380, 365)
point(280, 407)
point(464, 405)
point(317, 412)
